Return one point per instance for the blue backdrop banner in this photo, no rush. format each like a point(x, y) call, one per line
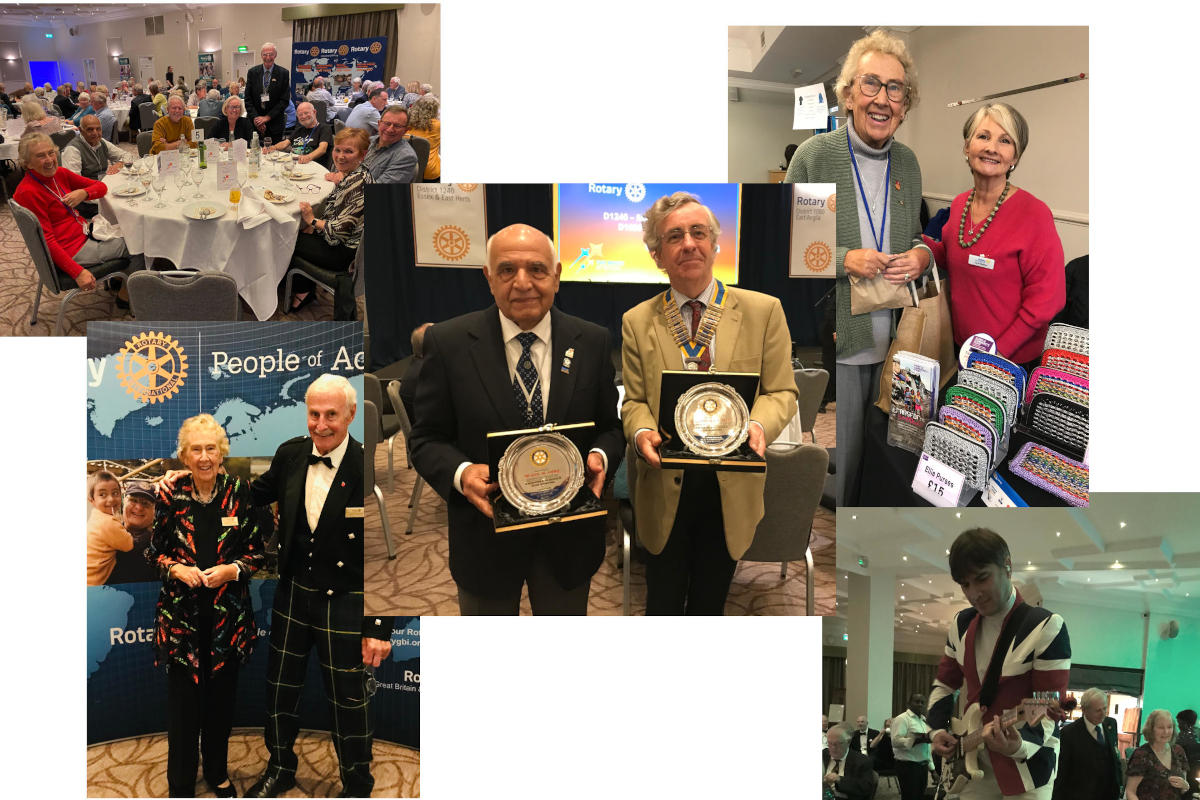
point(339, 62)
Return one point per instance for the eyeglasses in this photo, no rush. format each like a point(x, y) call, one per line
point(699, 233)
point(870, 85)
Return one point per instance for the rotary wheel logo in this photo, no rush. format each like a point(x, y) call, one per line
point(375, 47)
point(817, 256)
point(466, 188)
point(451, 242)
point(343, 50)
point(314, 51)
point(539, 457)
point(152, 367)
point(831, 203)
point(709, 406)
point(635, 192)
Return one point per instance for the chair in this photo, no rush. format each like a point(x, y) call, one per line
point(322, 109)
point(337, 126)
point(147, 115)
point(628, 519)
point(421, 146)
point(50, 276)
point(811, 383)
point(325, 278)
point(795, 479)
point(205, 124)
point(62, 138)
point(414, 500)
point(371, 434)
point(144, 142)
point(179, 295)
point(389, 424)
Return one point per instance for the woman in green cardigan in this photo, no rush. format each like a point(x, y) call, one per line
point(877, 234)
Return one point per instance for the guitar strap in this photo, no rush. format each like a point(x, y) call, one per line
point(991, 679)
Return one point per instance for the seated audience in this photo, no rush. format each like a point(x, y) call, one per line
point(36, 119)
point(423, 121)
point(63, 101)
point(391, 159)
point(365, 116)
point(210, 106)
point(395, 90)
point(413, 93)
point(85, 107)
point(92, 156)
point(319, 92)
point(232, 125)
point(309, 138)
point(847, 773)
point(108, 120)
point(172, 130)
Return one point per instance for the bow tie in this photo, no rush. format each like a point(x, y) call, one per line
point(315, 459)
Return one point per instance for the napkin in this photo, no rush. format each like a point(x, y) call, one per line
point(250, 211)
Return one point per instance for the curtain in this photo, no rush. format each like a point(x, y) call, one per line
point(353, 26)
point(908, 678)
point(833, 681)
point(400, 296)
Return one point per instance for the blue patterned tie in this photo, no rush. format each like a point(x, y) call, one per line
point(527, 375)
point(1099, 736)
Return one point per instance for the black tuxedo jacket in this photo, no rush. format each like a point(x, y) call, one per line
point(464, 393)
point(277, 94)
point(1082, 764)
point(857, 736)
point(338, 557)
point(859, 779)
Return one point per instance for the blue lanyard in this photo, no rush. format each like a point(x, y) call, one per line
point(887, 187)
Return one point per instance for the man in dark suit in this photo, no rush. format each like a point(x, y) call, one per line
point(135, 109)
point(496, 370)
point(847, 772)
point(317, 481)
point(1089, 767)
point(268, 88)
point(863, 740)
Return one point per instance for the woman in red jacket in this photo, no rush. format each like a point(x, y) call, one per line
point(1000, 246)
point(53, 194)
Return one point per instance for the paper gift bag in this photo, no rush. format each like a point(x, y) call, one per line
point(924, 328)
point(876, 294)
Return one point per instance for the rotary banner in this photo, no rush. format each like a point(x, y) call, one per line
point(814, 230)
point(340, 62)
point(449, 224)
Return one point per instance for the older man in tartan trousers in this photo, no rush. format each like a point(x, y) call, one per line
point(318, 483)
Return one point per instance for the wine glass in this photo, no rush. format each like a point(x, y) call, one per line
point(181, 180)
point(197, 179)
point(159, 183)
point(146, 179)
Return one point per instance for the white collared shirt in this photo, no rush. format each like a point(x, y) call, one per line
point(1092, 730)
point(539, 352)
point(71, 159)
point(704, 297)
point(318, 481)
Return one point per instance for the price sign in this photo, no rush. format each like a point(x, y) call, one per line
point(938, 483)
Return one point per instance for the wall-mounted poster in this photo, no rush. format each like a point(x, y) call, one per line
point(339, 62)
point(450, 224)
point(125, 68)
point(206, 69)
point(814, 230)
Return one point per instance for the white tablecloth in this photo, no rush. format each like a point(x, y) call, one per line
point(122, 115)
point(256, 258)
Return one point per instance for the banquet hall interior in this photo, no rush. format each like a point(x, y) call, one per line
point(1124, 575)
point(251, 237)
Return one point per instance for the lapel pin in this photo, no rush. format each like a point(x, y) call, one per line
point(570, 353)
point(342, 484)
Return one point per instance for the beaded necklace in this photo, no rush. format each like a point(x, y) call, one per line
point(962, 223)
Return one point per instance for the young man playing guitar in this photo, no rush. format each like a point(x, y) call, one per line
point(1004, 653)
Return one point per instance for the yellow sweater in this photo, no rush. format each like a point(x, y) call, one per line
point(167, 131)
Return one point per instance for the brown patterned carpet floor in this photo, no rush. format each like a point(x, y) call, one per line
point(418, 581)
point(18, 288)
point(138, 767)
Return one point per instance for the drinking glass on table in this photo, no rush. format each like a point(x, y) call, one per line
point(146, 179)
point(159, 183)
point(181, 180)
point(197, 178)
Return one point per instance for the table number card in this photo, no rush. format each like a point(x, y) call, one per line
point(168, 162)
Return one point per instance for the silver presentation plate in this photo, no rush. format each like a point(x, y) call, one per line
point(712, 419)
point(541, 473)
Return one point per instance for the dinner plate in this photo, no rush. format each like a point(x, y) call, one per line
point(205, 209)
point(130, 191)
point(301, 175)
point(278, 197)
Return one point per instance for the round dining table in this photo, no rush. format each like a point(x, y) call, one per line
point(256, 257)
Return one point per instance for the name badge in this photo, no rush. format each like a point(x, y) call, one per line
point(938, 483)
point(229, 521)
point(354, 512)
point(980, 260)
point(264, 98)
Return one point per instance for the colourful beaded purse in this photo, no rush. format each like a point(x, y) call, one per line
point(958, 450)
point(1054, 472)
point(978, 404)
point(1001, 391)
point(999, 367)
point(1062, 384)
point(1066, 361)
point(976, 427)
point(1067, 337)
point(1059, 419)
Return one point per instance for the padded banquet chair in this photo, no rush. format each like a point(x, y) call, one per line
point(322, 109)
point(50, 276)
point(206, 124)
point(371, 434)
point(811, 383)
point(795, 477)
point(389, 424)
point(421, 147)
point(178, 295)
point(629, 540)
point(147, 116)
point(144, 143)
point(414, 500)
point(62, 138)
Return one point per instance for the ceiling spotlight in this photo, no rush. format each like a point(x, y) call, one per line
point(854, 516)
point(1122, 524)
point(958, 514)
point(947, 551)
point(1117, 565)
point(902, 597)
point(1058, 533)
point(905, 558)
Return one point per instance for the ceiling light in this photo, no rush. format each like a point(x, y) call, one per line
point(958, 514)
point(904, 558)
point(854, 516)
point(1117, 565)
point(902, 597)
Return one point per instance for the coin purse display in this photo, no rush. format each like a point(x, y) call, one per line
point(704, 420)
point(977, 428)
point(542, 477)
point(977, 403)
point(1067, 337)
point(1052, 471)
point(960, 451)
point(1066, 361)
point(998, 390)
point(1061, 384)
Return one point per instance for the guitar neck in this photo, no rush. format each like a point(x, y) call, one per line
point(1030, 711)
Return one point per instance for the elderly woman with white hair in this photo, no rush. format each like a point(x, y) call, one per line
point(1000, 246)
point(231, 124)
point(206, 545)
point(1158, 769)
point(210, 106)
point(423, 121)
point(36, 120)
point(84, 107)
point(878, 223)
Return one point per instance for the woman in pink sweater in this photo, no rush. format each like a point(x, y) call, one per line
point(1000, 247)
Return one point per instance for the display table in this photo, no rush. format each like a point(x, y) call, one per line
point(257, 258)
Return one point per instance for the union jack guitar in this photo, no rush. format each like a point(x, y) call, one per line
point(962, 766)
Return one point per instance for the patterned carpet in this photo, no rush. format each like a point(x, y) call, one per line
point(418, 581)
point(18, 287)
point(138, 767)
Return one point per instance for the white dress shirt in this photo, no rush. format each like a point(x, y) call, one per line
point(318, 481)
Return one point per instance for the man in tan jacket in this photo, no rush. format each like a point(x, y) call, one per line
point(696, 524)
